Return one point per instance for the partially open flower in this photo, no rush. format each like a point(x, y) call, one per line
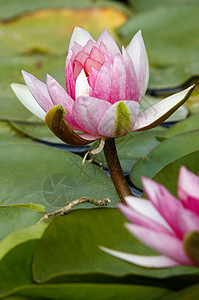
point(164, 223)
point(103, 91)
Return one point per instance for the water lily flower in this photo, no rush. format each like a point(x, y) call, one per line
point(164, 223)
point(103, 90)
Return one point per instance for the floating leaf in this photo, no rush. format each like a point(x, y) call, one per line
point(193, 102)
point(166, 152)
point(10, 71)
point(146, 5)
point(85, 291)
point(171, 36)
point(37, 131)
point(169, 174)
point(15, 267)
point(21, 236)
point(16, 217)
point(191, 123)
point(16, 257)
point(78, 236)
point(33, 173)
point(189, 293)
point(11, 9)
point(53, 28)
point(8, 135)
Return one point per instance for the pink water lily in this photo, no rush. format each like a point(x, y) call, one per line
point(164, 223)
point(103, 91)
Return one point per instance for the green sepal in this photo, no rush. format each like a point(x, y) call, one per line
point(191, 246)
point(123, 120)
point(56, 122)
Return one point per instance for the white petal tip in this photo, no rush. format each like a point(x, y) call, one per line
point(158, 261)
point(81, 36)
point(82, 86)
point(25, 97)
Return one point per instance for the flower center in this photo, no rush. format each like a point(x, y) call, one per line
point(86, 61)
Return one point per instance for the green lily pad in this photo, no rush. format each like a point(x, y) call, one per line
point(166, 152)
point(86, 291)
point(33, 173)
point(78, 236)
point(19, 298)
point(8, 135)
point(150, 5)
point(37, 131)
point(193, 102)
point(15, 267)
point(20, 236)
point(189, 293)
point(10, 106)
point(169, 174)
point(191, 123)
point(52, 29)
point(171, 36)
point(132, 147)
point(16, 217)
point(16, 257)
point(10, 9)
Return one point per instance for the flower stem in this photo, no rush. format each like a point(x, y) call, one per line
point(115, 170)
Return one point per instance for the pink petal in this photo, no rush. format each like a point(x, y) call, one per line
point(147, 209)
point(58, 94)
point(118, 80)
point(92, 80)
point(75, 49)
point(164, 201)
point(108, 125)
point(80, 36)
point(78, 63)
point(137, 52)
point(164, 243)
point(88, 112)
point(188, 189)
point(180, 219)
point(88, 46)
point(77, 68)
point(131, 87)
point(158, 261)
point(107, 39)
point(39, 91)
point(90, 63)
point(89, 137)
point(69, 76)
point(105, 51)
point(81, 57)
point(187, 221)
point(140, 219)
point(97, 55)
point(102, 88)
